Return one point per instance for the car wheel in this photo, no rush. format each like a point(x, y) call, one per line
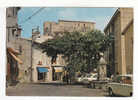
point(131, 94)
point(110, 91)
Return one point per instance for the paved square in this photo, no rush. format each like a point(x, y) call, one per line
point(48, 89)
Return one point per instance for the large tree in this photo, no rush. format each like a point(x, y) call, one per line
point(82, 51)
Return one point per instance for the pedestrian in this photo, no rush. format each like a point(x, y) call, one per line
point(112, 77)
point(67, 78)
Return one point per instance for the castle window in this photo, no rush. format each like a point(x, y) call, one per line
point(78, 24)
point(84, 28)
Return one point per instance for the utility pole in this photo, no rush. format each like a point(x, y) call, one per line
point(35, 34)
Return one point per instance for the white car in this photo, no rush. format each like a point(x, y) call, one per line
point(90, 77)
point(79, 79)
point(121, 85)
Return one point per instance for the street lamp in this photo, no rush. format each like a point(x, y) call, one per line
point(35, 34)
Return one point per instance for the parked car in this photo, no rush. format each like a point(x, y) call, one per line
point(90, 77)
point(121, 85)
point(79, 79)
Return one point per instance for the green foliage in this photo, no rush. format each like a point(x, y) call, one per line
point(81, 50)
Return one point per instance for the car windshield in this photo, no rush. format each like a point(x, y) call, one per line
point(123, 79)
point(88, 76)
point(127, 80)
point(95, 76)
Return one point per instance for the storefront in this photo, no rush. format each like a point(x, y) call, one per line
point(42, 73)
point(57, 73)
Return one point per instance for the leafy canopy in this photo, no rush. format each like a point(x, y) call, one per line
point(81, 50)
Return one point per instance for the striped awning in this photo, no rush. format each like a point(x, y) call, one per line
point(58, 69)
point(15, 57)
point(12, 50)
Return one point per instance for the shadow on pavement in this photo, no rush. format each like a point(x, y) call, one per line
point(58, 84)
point(14, 83)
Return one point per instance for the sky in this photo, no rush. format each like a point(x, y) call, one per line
point(100, 16)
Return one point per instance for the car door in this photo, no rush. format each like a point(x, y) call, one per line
point(120, 86)
point(121, 89)
point(117, 86)
point(124, 88)
point(127, 90)
point(127, 86)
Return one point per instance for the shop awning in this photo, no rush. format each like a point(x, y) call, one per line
point(58, 69)
point(15, 57)
point(12, 50)
point(42, 69)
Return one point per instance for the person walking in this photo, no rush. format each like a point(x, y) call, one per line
point(67, 78)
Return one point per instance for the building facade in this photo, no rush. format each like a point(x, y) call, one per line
point(58, 68)
point(116, 58)
point(13, 32)
point(25, 56)
point(53, 28)
point(12, 29)
point(41, 63)
point(44, 68)
point(128, 47)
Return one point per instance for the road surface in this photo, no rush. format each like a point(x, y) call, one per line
point(53, 89)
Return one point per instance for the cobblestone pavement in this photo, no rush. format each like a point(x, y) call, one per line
point(49, 89)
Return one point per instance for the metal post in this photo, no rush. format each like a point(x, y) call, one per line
point(31, 56)
point(32, 44)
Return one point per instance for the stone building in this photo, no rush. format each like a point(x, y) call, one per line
point(128, 47)
point(53, 28)
point(44, 68)
point(58, 68)
point(33, 60)
point(25, 56)
point(13, 32)
point(37, 66)
point(116, 58)
point(12, 29)
point(41, 63)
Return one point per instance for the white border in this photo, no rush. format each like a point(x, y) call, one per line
point(2, 50)
point(68, 3)
point(63, 3)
